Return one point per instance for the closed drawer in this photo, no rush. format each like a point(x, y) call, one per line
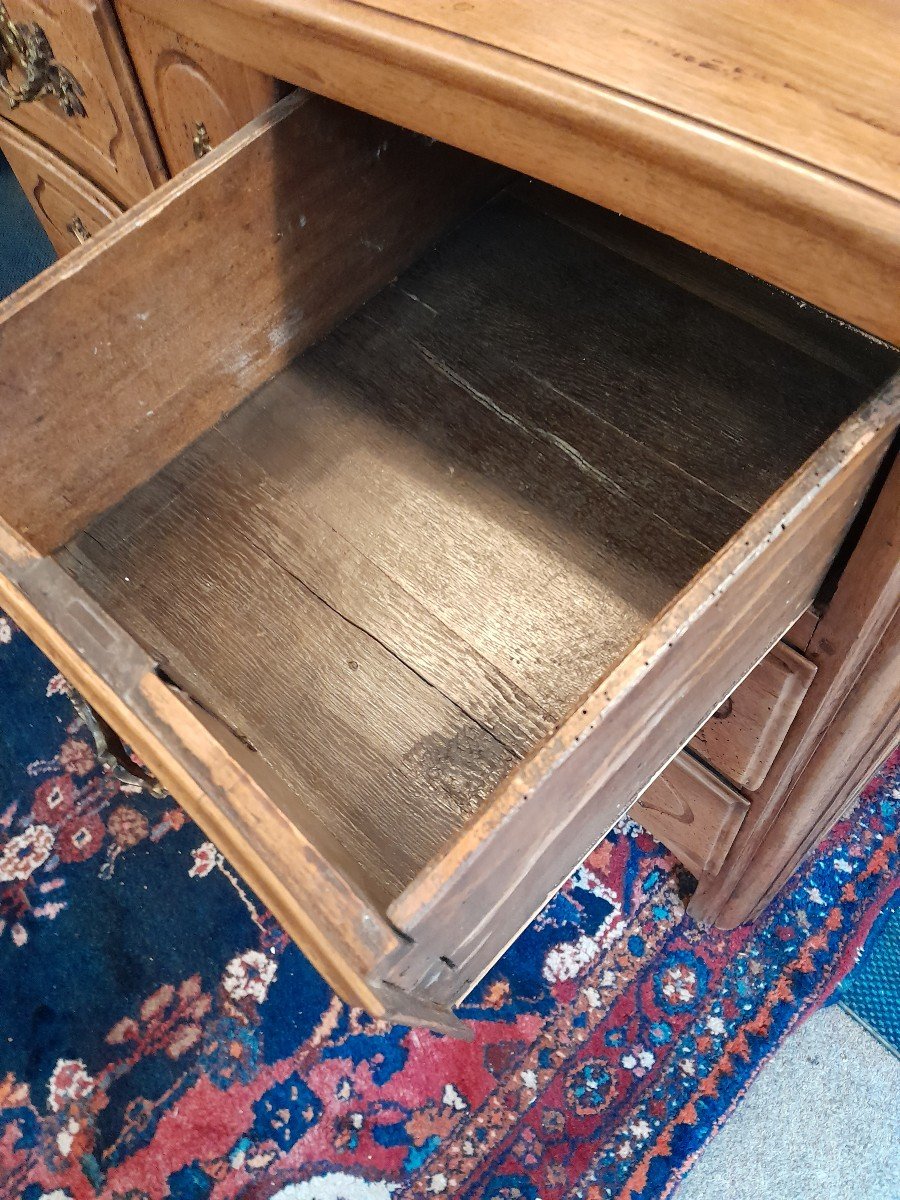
point(409, 604)
point(743, 736)
point(113, 143)
point(196, 97)
point(69, 207)
point(693, 812)
point(692, 809)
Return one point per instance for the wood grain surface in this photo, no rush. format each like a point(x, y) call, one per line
point(742, 738)
point(815, 81)
point(172, 315)
point(186, 85)
point(59, 196)
point(303, 886)
point(800, 633)
point(693, 812)
point(864, 731)
point(441, 525)
point(787, 814)
point(548, 814)
point(761, 132)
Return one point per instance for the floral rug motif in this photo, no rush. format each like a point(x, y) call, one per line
point(161, 1037)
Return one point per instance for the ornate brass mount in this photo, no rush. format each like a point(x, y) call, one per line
point(24, 47)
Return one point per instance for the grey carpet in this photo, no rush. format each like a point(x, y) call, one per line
point(821, 1122)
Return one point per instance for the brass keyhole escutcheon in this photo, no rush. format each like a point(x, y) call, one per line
point(201, 142)
point(78, 230)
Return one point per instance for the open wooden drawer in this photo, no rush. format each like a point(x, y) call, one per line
point(408, 610)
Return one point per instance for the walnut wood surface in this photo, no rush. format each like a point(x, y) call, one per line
point(57, 193)
point(114, 145)
point(185, 84)
point(742, 738)
point(168, 318)
point(761, 132)
point(550, 811)
point(792, 810)
point(693, 812)
point(446, 521)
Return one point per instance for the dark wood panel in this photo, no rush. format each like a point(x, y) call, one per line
point(367, 744)
point(816, 333)
point(592, 340)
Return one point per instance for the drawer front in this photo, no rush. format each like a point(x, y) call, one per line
point(113, 143)
point(388, 641)
point(196, 97)
point(743, 736)
point(693, 812)
point(69, 207)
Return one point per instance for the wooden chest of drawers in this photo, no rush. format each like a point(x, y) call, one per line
point(502, 534)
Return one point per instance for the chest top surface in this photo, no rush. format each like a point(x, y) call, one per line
point(763, 132)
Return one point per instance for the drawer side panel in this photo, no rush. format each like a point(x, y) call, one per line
point(541, 823)
point(300, 881)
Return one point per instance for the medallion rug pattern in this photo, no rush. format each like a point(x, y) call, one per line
point(161, 1037)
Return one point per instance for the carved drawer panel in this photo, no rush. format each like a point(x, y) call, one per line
point(196, 97)
point(69, 207)
point(112, 143)
point(742, 738)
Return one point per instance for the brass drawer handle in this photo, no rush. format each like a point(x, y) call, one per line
point(26, 48)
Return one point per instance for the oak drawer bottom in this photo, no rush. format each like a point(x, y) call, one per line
point(431, 551)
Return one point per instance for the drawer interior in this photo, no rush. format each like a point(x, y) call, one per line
point(458, 502)
point(397, 566)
